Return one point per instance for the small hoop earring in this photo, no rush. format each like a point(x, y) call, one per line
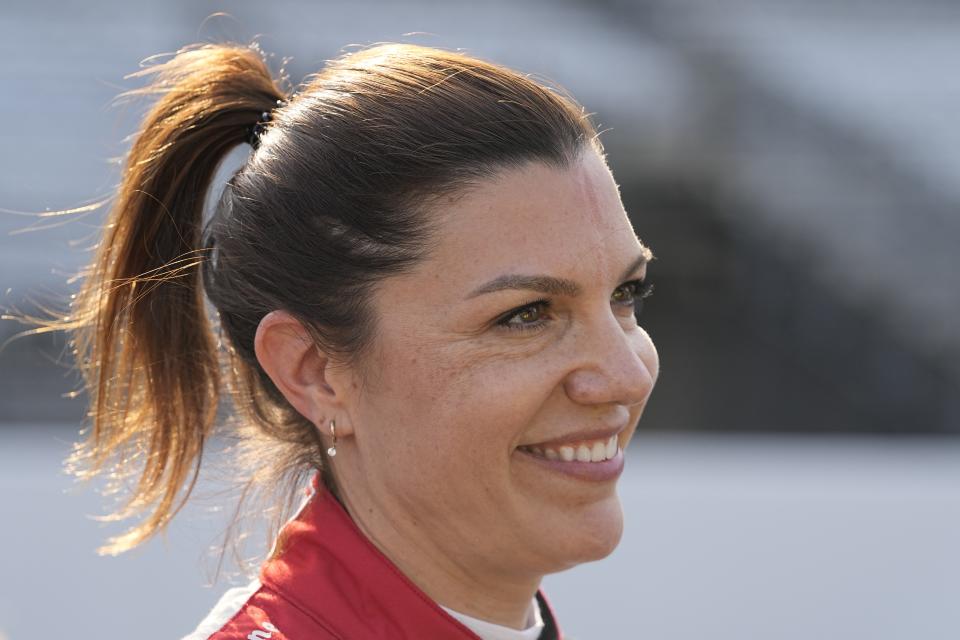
point(332, 451)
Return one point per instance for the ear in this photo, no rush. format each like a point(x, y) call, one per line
point(300, 371)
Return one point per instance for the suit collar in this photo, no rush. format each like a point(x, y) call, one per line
point(327, 568)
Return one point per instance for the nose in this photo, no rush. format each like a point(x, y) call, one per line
point(612, 365)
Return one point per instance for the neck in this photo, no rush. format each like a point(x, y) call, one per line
point(438, 567)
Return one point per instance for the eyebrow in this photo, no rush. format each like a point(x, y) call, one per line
point(549, 284)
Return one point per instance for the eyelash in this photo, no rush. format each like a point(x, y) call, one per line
point(640, 290)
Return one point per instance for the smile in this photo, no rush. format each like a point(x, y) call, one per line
point(590, 460)
point(586, 451)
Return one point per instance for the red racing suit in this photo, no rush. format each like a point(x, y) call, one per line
point(326, 581)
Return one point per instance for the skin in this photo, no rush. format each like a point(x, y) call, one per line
point(427, 460)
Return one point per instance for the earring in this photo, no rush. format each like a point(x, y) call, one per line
point(332, 451)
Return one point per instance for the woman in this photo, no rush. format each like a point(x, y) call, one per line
point(426, 293)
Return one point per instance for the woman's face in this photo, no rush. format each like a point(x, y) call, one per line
point(469, 369)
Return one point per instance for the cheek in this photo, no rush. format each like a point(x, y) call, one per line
point(420, 396)
point(442, 427)
point(446, 405)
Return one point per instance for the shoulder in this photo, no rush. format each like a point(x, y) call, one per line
point(255, 612)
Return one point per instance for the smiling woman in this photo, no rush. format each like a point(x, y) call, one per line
point(428, 291)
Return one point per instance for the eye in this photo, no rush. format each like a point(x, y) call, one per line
point(632, 294)
point(533, 316)
point(528, 317)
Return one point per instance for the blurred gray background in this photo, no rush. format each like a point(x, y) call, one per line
point(793, 165)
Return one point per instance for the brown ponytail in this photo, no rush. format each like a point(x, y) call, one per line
point(140, 329)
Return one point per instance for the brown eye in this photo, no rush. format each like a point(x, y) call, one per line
point(631, 294)
point(530, 316)
point(624, 294)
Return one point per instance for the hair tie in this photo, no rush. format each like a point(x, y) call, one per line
point(257, 129)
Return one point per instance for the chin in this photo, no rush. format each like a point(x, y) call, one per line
point(591, 534)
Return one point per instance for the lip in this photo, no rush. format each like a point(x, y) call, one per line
point(604, 471)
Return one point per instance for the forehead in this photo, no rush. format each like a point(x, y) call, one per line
point(536, 217)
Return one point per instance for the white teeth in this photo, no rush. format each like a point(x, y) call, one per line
point(611, 447)
point(599, 452)
point(596, 451)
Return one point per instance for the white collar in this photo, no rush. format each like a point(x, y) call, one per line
point(490, 631)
